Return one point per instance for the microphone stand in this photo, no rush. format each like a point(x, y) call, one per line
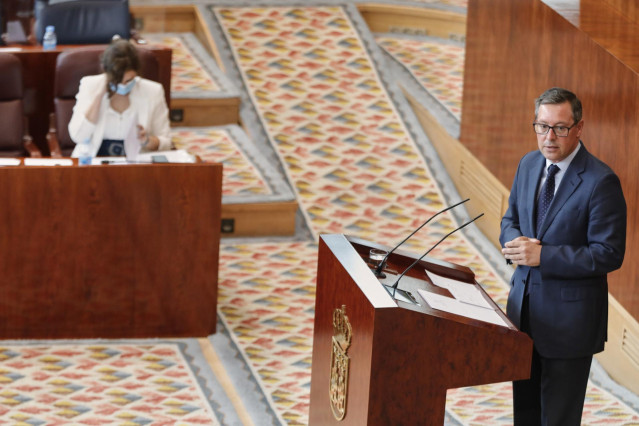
point(394, 287)
point(378, 271)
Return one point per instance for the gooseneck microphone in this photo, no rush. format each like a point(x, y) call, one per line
point(394, 287)
point(378, 271)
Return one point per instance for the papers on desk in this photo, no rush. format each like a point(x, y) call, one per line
point(48, 162)
point(461, 291)
point(448, 304)
point(468, 300)
point(132, 143)
point(173, 156)
point(9, 161)
point(133, 147)
point(98, 161)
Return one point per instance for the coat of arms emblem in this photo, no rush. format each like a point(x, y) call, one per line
point(342, 334)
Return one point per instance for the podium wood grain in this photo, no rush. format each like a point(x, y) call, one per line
point(403, 358)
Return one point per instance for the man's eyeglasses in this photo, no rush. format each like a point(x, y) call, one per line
point(561, 131)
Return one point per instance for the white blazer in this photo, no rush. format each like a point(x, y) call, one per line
point(147, 100)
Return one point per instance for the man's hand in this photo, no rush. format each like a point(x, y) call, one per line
point(523, 251)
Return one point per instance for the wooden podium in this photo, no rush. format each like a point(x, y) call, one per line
point(382, 361)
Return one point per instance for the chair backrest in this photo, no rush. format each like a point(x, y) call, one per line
point(71, 66)
point(84, 21)
point(11, 106)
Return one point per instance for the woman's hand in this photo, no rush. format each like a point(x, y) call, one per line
point(94, 109)
point(149, 143)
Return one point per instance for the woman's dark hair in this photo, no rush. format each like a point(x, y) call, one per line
point(120, 57)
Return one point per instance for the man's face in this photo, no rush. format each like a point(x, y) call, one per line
point(553, 147)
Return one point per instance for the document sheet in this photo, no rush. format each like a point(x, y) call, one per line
point(462, 291)
point(454, 306)
point(132, 143)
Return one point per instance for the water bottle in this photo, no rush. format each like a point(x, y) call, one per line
point(84, 153)
point(49, 40)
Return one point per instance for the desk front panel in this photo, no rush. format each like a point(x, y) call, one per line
point(109, 251)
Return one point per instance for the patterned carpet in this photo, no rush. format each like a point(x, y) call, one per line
point(220, 145)
point(194, 74)
point(188, 74)
point(359, 164)
point(438, 65)
point(267, 300)
point(94, 384)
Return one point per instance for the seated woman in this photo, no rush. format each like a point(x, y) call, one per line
point(107, 104)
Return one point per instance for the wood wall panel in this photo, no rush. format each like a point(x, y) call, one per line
point(533, 48)
point(628, 9)
point(612, 24)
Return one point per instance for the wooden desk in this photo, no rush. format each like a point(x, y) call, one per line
point(109, 251)
point(38, 68)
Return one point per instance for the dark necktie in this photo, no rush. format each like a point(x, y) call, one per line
point(546, 195)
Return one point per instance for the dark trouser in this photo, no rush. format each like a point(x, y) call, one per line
point(554, 395)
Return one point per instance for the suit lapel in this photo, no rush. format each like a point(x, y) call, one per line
point(568, 186)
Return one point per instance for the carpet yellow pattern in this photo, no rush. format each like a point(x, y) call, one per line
point(127, 384)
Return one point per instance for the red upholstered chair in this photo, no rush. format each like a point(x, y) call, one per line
point(14, 140)
point(71, 66)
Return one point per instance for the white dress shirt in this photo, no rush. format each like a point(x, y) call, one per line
point(563, 166)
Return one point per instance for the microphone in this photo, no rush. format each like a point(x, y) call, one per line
point(378, 271)
point(394, 287)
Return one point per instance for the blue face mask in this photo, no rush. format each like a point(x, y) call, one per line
point(124, 89)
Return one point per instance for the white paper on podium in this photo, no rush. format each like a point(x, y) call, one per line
point(461, 291)
point(448, 304)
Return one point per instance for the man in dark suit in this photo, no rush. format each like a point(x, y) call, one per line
point(565, 229)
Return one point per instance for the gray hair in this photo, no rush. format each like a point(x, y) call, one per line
point(557, 95)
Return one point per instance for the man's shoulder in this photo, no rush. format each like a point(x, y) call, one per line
point(594, 165)
point(531, 157)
